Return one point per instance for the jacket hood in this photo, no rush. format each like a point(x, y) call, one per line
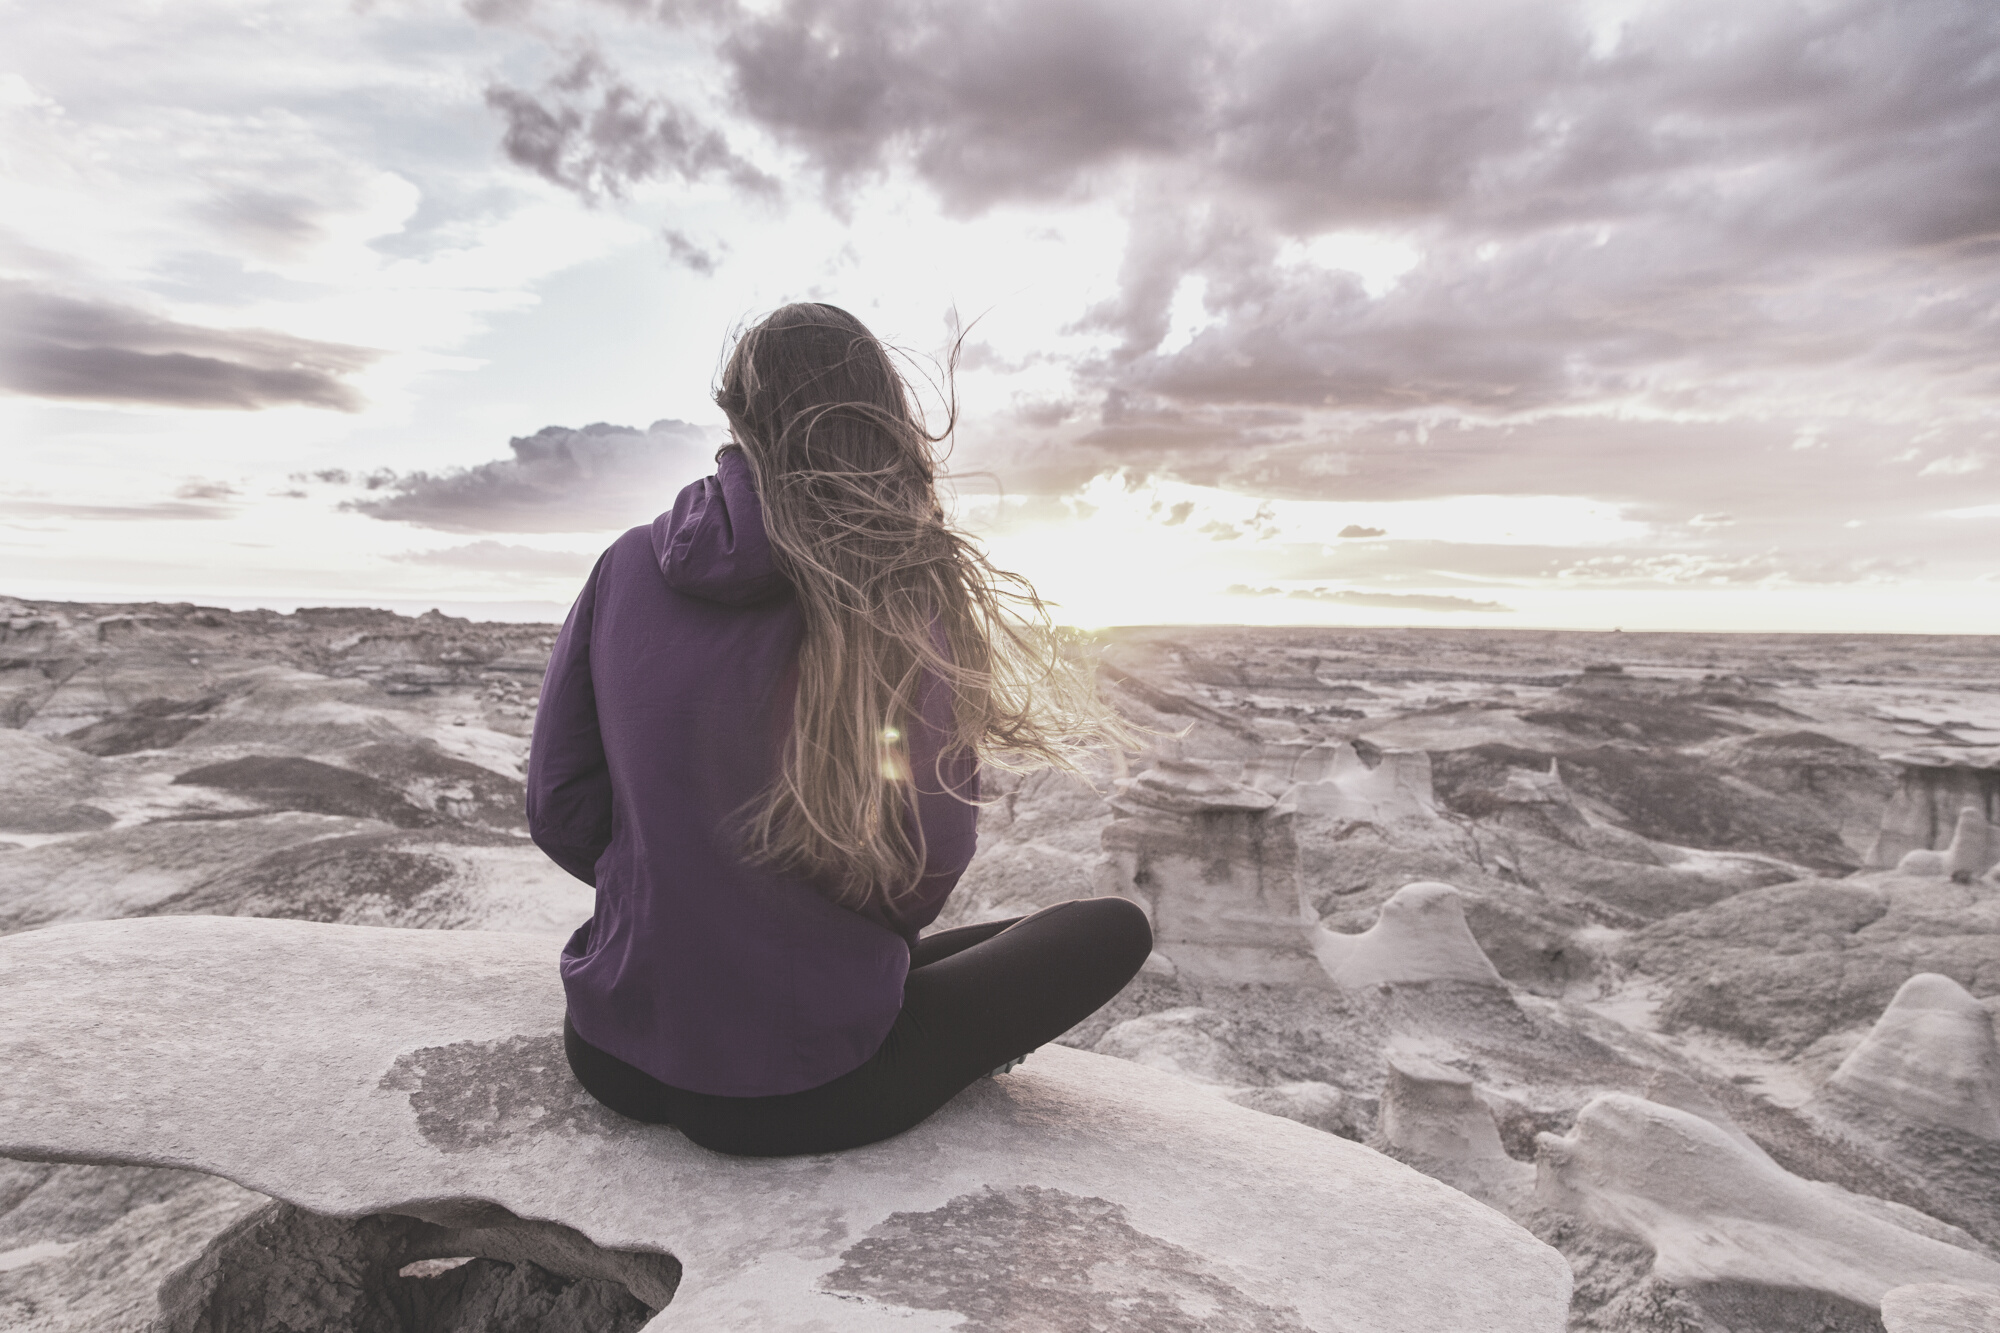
point(711, 544)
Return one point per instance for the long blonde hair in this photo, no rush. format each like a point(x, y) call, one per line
point(895, 600)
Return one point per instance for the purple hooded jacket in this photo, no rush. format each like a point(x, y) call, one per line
point(667, 701)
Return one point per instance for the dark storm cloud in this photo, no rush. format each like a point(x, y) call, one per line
point(1355, 114)
point(558, 480)
point(57, 346)
point(1710, 199)
point(1731, 270)
point(592, 132)
point(989, 102)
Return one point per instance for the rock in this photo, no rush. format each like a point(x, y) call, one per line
point(1727, 1222)
point(1429, 1111)
point(1974, 849)
point(124, 872)
point(1933, 1307)
point(1189, 1041)
point(1389, 787)
point(308, 867)
point(46, 787)
point(410, 1086)
point(287, 782)
point(1433, 1117)
point(87, 1247)
point(1420, 937)
point(1787, 965)
point(150, 724)
point(1320, 1105)
point(1216, 864)
point(1847, 784)
point(1934, 787)
point(1670, 1087)
point(1930, 1061)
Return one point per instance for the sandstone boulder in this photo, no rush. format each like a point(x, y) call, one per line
point(1421, 936)
point(1723, 1219)
point(1930, 1061)
point(404, 1093)
point(1932, 1307)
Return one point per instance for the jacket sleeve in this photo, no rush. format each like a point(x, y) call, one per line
point(947, 787)
point(569, 784)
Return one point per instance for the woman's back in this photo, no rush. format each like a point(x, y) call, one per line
point(665, 713)
point(759, 738)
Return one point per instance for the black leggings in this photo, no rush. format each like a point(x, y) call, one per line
point(976, 997)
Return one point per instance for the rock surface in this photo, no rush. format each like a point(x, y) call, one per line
point(1937, 785)
point(1716, 1214)
point(1215, 864)
point(1929, 1307)
point(1930, 1061)
point(414, 1081)
point(1653, 841)
point(1420, 937)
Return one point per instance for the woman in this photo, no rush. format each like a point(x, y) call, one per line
point(760, 738)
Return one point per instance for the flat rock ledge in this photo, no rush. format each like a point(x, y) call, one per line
point(413, 1082)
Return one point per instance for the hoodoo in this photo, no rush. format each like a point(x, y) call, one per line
point(1930, 1061)
point(1336, 782)
point(1973, 850)
point(1421, 936)
point(1216, 864)
point(1935, 787)
point(1716, 1214)
point(1430, 1111)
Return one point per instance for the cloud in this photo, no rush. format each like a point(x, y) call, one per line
point(986, 102)
point(57, 346)
point(115, 513)
point(687, 254)
point(1706, 210)
point(591, 132)
point(596, 479)
point(1393, 601)
point(1355, 530)
point(503, 558)
point(1954, 465)
point(1683, 211)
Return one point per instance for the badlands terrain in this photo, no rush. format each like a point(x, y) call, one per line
point(1681, 951)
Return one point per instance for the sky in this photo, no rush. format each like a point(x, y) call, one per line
point(1516, 313)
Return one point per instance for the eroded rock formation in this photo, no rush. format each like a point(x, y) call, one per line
point(1657, 861)
point(1934, 786)
point(1215, 863)
point(1730, 1224)
point(1974, 850)
point(1420, 937)
point(414, 1080)
point(1930, 1062)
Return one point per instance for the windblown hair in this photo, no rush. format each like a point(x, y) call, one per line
point(896, 601)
